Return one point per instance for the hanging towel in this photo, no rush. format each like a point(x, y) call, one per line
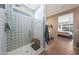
point(7, 27)
point(46, 34)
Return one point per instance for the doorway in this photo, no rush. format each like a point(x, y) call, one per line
point(65, 26)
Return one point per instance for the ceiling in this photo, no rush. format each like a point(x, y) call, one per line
point(32, 6)
point(53, 9)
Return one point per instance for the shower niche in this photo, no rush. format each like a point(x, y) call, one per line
point(25, 29)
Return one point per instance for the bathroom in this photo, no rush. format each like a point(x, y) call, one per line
point(22, 29)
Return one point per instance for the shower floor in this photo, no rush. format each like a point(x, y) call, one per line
point(24, 50)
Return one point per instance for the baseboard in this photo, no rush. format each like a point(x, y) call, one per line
point(38, 51)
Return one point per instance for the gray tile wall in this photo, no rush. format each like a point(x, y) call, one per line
point(20, 32)
point(3, 39)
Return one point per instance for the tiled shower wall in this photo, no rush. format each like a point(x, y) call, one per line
point(3, 41)
point(20, 32)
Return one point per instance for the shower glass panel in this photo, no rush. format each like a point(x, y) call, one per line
point(22, 29)
point(20, 34)
point(39, 26)
point(3, 40)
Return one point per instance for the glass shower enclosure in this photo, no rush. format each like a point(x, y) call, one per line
point(23, 30)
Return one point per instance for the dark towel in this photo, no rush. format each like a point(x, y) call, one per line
point(7, 27)
point(46, 34)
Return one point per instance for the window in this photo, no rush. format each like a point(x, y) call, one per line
point(65, 23)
